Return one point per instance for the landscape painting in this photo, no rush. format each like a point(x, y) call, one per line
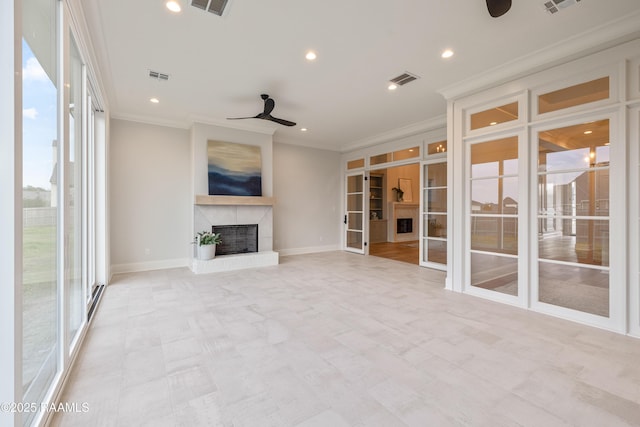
point(234, 169)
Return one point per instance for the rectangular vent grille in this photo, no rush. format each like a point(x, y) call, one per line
point(213, 6)
point(554, 6)
point(159, 76)
point(403, 79)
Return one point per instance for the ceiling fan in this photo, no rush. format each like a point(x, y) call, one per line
point(498, 8)
point(269, 104)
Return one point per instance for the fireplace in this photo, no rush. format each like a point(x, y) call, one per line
point(237, 239)
point(404, 225)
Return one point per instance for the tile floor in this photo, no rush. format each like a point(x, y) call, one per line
point(337, 339)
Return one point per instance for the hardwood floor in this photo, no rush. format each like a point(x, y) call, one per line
point(397, 251)
point(339, 339)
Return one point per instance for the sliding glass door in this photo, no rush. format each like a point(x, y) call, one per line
point(40, 198)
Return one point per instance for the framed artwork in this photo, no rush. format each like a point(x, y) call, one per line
point(405, 186)
point(234, 169)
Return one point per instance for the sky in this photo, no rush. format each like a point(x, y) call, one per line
point(39, 100)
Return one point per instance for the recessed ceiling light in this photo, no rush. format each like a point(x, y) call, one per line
point(303, 130)
point(447, 54)
point(311, 55)
point(154, 100)
point(493, 123)
point(392, 86)
point(173, 6)
point(588, 132)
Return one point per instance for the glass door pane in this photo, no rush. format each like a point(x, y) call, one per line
point(573, 217)
point(493, 222)
point(354, 219)
point(41, 171)
point(74, 200)
point(434, 215)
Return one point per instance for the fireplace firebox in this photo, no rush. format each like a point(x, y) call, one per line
point(237, 239)
point(404, 225)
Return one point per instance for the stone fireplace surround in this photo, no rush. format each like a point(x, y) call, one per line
point(233, 210)
point(208, 215)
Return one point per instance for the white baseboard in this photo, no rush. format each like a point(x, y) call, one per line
point(308, 250)
point(150, 265)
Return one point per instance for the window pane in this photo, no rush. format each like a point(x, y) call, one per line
point(496, 273)
point(437, 147)
point(493, 234)
point(494, 116)
point(495, 196)
point(409, 153)
point(436, 175)
point(40, 180)
point(436, 226)
point(380, 158)
point(583, 241)
point(436, 251)
point(355, 164)
point(574, 193)
point(574, 147)
point(354, 184)
point(355, 221)
point(354, 202)
point(437, 200)
point(354, 239)
point(584, 93)
point(495, 158)
point(574, 287)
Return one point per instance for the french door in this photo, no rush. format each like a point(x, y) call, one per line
point(433, 208)
point(354, 217)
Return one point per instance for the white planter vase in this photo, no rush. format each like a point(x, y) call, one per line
point(206, 252)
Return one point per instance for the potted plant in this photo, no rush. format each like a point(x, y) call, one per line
point(206, 242)
point(399, 194)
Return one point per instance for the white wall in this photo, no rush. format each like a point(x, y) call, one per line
point(150, 197)
point(307, 214)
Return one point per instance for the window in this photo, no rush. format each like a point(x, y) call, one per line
point(355, 164)
point(494, 116)
point(591, 91)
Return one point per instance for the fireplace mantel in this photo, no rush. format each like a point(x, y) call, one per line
point(235, 200)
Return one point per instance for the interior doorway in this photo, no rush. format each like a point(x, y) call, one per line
point(394, 213)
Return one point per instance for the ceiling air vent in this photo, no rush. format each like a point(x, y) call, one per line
point(213, 6)
point(554, 6)
point(404, 78)
point(158, 76)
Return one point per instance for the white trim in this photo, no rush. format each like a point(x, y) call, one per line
point(399, 133)
point(633, 278)
point(150, 265)
point(558, 53)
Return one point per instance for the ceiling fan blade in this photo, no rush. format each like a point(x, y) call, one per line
point(498, 8)
point(281, 121)
point(242, 118)
point(269, 105)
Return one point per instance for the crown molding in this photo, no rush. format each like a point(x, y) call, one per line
point(179, 124)
point(402, 132)
point(598, 38)
point(248, 126)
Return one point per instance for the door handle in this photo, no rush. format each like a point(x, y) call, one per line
point(345, 219)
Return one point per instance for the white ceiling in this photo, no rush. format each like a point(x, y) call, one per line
point(219, 66)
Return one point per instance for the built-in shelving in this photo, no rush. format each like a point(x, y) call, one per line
point(235, 200)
